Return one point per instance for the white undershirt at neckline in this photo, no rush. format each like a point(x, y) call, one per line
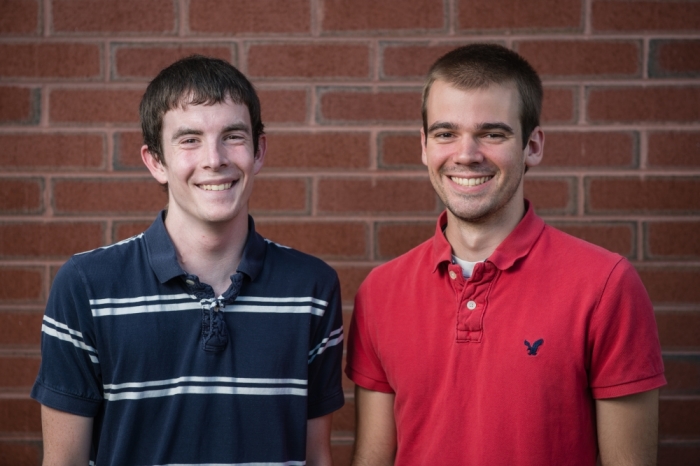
point(467, 267)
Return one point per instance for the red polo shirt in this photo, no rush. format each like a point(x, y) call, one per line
point(503, 368)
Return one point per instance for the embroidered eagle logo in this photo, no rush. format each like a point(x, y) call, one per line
point(532, 349)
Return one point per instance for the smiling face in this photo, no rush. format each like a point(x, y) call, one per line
point(209, 163)
point(474, 154)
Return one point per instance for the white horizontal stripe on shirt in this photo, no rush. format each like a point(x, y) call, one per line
point(263, 299)
point(66, 337)
point(239, 380)
point(192, 306)
point(205, 390)
point(140, 299)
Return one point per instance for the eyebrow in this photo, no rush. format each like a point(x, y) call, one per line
point(495, 125)
point(441, 125)
point(487, 126)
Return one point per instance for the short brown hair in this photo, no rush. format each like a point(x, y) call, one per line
point(480, 65)
point(195, 80)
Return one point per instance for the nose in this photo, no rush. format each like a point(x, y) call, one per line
point(215, 157)
point(469, 151)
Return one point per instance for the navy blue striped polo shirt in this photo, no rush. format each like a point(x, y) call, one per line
point(173, 374)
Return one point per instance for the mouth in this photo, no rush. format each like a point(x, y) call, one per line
point(470, 181)
point(215, 187)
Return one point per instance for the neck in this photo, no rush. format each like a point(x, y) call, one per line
point(476, 241)
point(211, 252)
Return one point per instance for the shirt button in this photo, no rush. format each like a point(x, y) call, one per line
point(453, 275)
point(471, 305)
point(190, 282)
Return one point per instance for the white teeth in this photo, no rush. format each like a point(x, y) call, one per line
point(470, 181)
point(215, 187)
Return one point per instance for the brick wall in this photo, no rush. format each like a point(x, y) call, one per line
point(340, 86)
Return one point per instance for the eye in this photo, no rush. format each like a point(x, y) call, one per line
point(234, 138)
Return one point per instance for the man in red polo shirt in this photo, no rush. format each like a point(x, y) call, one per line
point(501, 340)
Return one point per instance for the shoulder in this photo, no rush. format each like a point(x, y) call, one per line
point(570, 248)
point(286, 256)
point(406, 264)
point(115, 261)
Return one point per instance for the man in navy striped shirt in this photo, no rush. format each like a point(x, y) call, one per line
point(197, 341)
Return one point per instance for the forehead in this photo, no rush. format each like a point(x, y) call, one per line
point(497, 101)
point(206, 116)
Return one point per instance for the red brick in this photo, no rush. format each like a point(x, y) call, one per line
point(20, 328)
point(19, 17)
point(286, 195)
point(362, 105)
point(317, 150)
point(411, 60)
point(113, 16)
point(49, 240)
point(661, 195)
point(579, 58)
point(21, 195)
point(329, 60)
point(682, 374)
point(52, 151)
point(400, 150)
point(351, 276)
point(590, 149)
point(679, 418)
point(21, 284)
point(644, 104)
point(19, 415)
point(105, 196)
point(675, 453)
point(671, 58)
point(615, 237)
point(239, 17)
point(283, 105)
point(514, 14)
point(347, 240)
point(558, 105)
point(127, 151)
point(551, 195)
point(669, 240)
point(376, 195)
point(94, 106)
point(673, 285)
point(396, 238)
point(18, 371)
point(674, 149)
point(18, 105)
point(145, 61)
point(623, 15)
point(367, 15)
point(124, 230)
point(344, 418)
point(50, 60)
point(20, 452)
point(341, 453)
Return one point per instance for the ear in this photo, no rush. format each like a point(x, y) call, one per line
point(423, 140)
point(259, 156)
point(154, 165)
point(534, 150)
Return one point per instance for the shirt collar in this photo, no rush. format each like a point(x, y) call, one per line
point(163, 258)
point(516, 245)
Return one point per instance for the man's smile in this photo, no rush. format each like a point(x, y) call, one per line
point(215, 187)
point(470, 181)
